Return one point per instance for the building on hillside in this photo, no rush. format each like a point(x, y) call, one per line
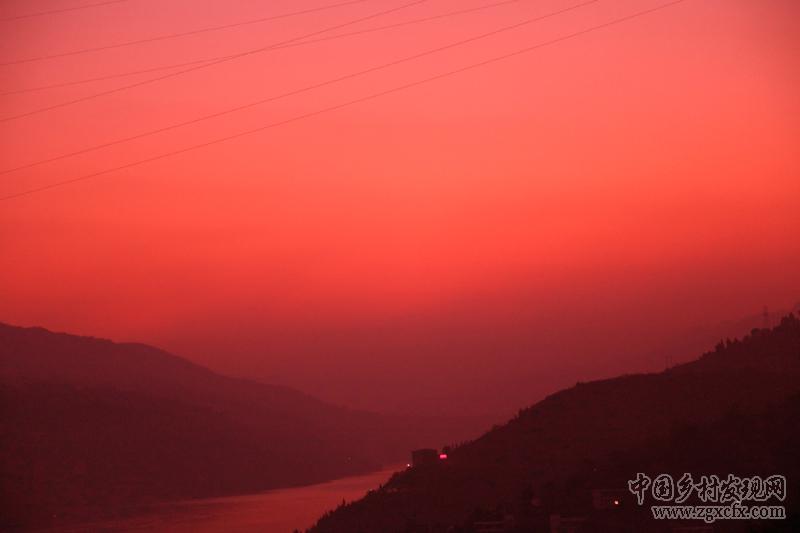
point(424, 456)
point(495, 526)
point(566, 524)
point(608, 499)
point(489, 526)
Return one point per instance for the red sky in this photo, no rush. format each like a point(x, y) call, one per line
point(548, 216)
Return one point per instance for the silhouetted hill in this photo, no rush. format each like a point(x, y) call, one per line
point(733, 410)
point(89, 425)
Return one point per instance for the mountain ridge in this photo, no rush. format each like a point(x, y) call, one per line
point(180, 430)
point(550, 450)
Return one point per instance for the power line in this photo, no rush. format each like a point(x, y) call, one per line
point(108, 77)
point(205, 65)
point(181, 34)
point(303, 89)
point(349, 103)
point(291, 45)
point(62, 10)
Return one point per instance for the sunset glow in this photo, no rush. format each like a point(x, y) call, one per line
point(399, 266)
point(645, 170)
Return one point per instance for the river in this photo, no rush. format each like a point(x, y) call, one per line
point(275, 511)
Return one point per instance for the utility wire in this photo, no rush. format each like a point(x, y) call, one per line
point(181, 34)
point(206, 65)
point(349, 103)
point(291, 45)
point(62, 10)
point(307, 88)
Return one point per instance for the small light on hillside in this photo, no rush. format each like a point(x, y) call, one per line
point(442, 456)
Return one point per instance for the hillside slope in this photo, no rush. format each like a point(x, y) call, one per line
point(89, 425)
point(586, 437)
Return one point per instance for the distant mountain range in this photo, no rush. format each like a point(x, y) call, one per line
point(495, 363)
point(88, 426)
point(734, 410)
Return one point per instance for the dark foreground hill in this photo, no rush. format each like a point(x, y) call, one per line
point(735, 410)
point(90, 426)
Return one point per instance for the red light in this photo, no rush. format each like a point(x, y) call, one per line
point(616, 502)
point(442, 456)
